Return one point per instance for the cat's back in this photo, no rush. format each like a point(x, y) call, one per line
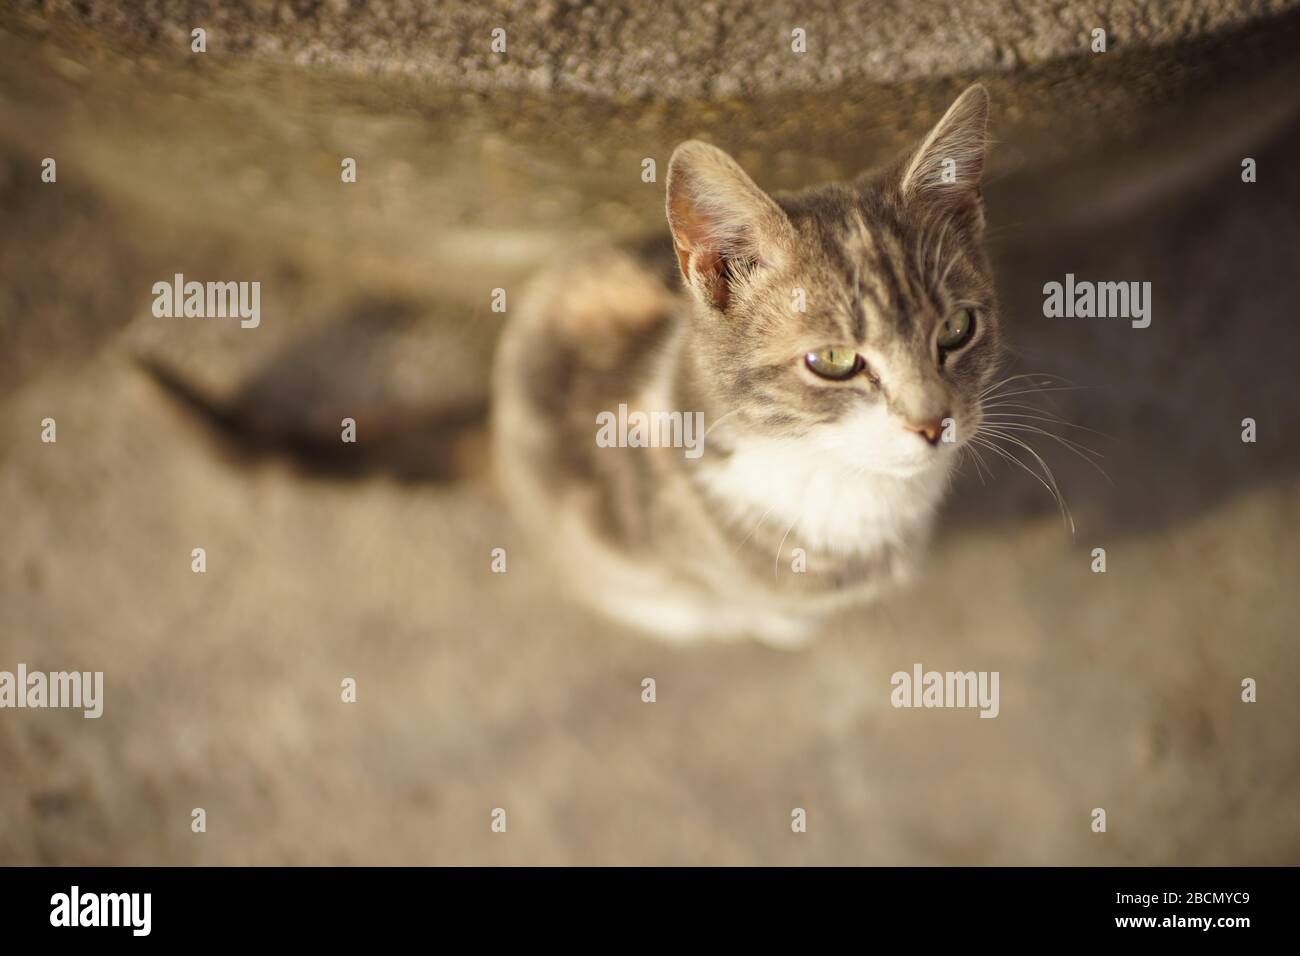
point(587, 335)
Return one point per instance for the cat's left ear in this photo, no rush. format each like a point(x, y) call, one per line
point(946, 169)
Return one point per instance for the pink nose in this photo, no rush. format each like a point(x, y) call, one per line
point(930, 430)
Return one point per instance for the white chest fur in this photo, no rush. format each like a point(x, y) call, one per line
point(825, 502)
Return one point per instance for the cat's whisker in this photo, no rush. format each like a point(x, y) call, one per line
point(1048, 377)
point(1029, 471)
point(1043, 414)
point(975, 458)
point(988, 469)
point(1048, 417)
point(1024, 413)
point(717, 420)
point(1047, 479)
point(776, 561)
point(1081, 451)
point(999, 422)
point(759, 522)
point(1002, 453)
point(1025, 406)
point(1042, 391)
point(1044, 375)
point(1047, 471)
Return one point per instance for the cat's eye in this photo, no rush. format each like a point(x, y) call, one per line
point(956, 330)
point(834, 362)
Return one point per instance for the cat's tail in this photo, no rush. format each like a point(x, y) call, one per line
point(442, 443)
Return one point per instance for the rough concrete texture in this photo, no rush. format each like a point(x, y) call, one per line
point(662, 49)
point(481, 690)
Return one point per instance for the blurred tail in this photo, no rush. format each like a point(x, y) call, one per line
point(411, 443)
point(205, 407)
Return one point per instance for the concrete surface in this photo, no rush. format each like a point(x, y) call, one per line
point(660, 49)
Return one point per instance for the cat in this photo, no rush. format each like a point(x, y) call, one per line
point(833, 346)
point(837, 342)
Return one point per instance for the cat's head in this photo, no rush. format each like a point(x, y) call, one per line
point(857, 317)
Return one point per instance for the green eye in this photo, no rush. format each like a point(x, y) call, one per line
point(957, 329)
point(834, 362)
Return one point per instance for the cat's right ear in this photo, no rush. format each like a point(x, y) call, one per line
point(723, 225)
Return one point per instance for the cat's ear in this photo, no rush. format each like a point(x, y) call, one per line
point(723, 225)
point(946, 169)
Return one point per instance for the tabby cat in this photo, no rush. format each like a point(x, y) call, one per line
point(837, 342)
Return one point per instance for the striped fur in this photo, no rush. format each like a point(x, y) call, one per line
point(795, 468)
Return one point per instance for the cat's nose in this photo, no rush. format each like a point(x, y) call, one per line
point(930, 430)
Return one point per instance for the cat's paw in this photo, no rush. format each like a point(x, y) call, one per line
point(785, 633)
